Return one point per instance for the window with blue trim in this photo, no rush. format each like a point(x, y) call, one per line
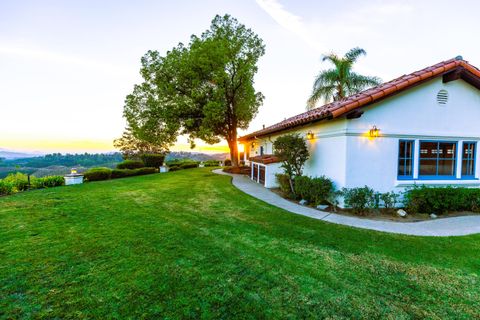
point(437, 159)
point(405, 159)
point(468, 159)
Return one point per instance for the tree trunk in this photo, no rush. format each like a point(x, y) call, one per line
point(232, 144)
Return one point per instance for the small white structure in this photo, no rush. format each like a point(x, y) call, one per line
point(163, 169)
point(419, 129)
point(73, 178)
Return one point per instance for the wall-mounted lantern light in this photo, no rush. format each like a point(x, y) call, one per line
point(253, 145)
point(374, 132)
point(310, 135)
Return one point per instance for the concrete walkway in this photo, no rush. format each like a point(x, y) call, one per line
point(456, 226)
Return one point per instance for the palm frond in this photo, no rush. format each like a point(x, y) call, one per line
point(353, 54)
point(325, 92)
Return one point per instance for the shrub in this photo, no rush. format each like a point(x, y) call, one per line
point(153, 160)
point(179, 162)
point(389, 199)
point(188, 165)
point(284, 183)
point(6, 188)
point(18, 180)
point(173, 168)
point(211, 163)
point(440, 200)
point(122, 173)
point(48, 182)
point(359, 199)
point(143, 171)
point(130, 164)
point(315, 190)
point(98, 174)
point(227, 163)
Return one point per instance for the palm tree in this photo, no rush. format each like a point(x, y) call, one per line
point(341, 81)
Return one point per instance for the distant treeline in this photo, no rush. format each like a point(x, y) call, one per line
point(68, 160)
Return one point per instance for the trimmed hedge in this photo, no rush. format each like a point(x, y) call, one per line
point(130, 164)
point(227, 163)
point(441, 200)
point(153, 160)
point(97, 174)
point(6, 188)
point(48, 182)
point(284, 183)
point(18, 180)
point(212, 163)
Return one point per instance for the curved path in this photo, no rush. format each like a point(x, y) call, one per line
point(456, 226)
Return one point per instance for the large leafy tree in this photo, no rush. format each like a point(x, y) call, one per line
point(340, 81)
point(204, 90)
point(133, 148)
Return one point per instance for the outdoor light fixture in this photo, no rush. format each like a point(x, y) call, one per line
point(310, 135)
point(374, 132)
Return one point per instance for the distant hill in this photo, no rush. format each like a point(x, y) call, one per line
point(196, 156)
point(6, 154)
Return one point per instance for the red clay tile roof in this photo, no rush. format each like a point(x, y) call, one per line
point(367, 97)
point(265, 159)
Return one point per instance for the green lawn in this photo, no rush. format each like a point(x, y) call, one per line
point(187, 244)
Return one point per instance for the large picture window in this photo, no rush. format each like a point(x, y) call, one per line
point(468, 159)
point(437, 159)
point(405, 159)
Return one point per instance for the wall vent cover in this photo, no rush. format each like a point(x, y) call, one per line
point(442, 97)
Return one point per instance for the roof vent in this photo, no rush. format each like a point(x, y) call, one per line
point(458, 58)
point(442, 97)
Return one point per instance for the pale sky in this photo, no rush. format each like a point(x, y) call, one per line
point(66, 66)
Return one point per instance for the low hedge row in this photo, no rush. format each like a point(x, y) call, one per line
point(99, 174)
point(130, 164)
point(441, 200)
point(17, 182)
point(319, 190)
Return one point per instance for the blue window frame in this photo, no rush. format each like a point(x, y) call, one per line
point(405, 159)
point(437, 160)
point(468, 159)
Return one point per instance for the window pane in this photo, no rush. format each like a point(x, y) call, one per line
point(468, 159)
point(408, 167)
point(401, 167)
point(446, 150)
point(428, 167)
point(409, 149)
point(428, 150)
point(446, 167)
point(401, 150)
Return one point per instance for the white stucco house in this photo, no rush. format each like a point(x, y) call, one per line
point(421, 128)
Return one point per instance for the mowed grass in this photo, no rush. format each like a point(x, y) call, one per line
point(187, 244)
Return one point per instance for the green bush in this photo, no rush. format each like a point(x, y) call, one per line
point(284, 183)
point(361, 200)
point(130, 164)
point(143, 171)
point(18, 180)
point(122, 173)
point(389, 199)
point(441, 200)
point(315, 190)
point(188, 165)
point(211, 163)
point(98, 174)
point(153, 160)
point(48, 182)
point(6, 188)
point(227, 163)
point(179, 162)
point(173, 168)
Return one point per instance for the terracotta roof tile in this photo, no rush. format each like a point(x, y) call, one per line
point(364, 98)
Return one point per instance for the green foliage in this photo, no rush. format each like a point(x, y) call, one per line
point(18, 180)
point(341, 81)
point(227, 162)
point(68, 160)
point(133, 147)
point(293, 152)
point(122, 173)
point(181, 162)
point(130, 164)
point(147, 170)
point(204, 89)
point(315, 190)
point(152, 160)
point(441, 200)
point(284, 183)
point(6, 188)
point(361, 200)
point(98, 174)
point(211, 163)
point(389, 199)
point(48, 182)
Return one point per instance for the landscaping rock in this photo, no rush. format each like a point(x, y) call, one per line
point(433, 216)
point(302, 202)
point(322, 206)
point(402, 213)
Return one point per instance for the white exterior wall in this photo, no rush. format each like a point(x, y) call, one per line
point(343, 151)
